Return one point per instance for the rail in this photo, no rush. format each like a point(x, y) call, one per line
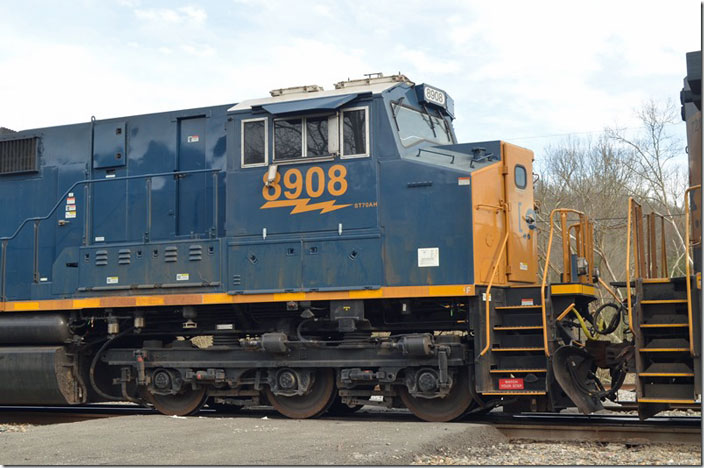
point(688, 272)
point(4, 241)
point(487, 297)
point(584, 248)
point(645, 262)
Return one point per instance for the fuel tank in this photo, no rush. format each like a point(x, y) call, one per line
point(43, 375)
point(34, 329)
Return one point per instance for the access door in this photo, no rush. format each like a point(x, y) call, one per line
point(522, 247)
point(192, 211)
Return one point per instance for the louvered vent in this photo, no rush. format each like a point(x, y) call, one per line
point(19, 155)
point(101, 257)
point(171, 254)
point(195, 253)
point(124, 257)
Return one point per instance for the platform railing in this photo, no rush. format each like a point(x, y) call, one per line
point(584, 247)
point(36, 221)
point(645, 261)
point(688, 271)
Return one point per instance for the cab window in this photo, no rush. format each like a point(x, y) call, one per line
point(355, 132)
point(520, 176)
point(254, 143)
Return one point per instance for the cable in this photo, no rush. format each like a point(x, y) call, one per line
point(94, 362)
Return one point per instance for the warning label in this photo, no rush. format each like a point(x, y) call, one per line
point(511, 384)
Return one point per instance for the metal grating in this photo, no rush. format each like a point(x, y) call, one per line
point(19, 155)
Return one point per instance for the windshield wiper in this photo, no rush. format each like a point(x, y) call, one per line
point(430, 119)
point(396, 103)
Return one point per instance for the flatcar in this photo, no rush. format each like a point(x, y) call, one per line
point(308, 250)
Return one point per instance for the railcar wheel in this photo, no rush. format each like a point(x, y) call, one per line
point(453, 406)
point(313, 403)
point(186, 403)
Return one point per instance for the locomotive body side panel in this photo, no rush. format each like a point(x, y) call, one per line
point(121, 205)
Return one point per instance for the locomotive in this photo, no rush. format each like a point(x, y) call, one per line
point(308, 250)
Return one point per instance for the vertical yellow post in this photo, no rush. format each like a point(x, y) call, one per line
point(566, 264)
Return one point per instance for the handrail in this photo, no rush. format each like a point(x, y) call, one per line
point(563, 218)
point(38, 219)
point(631, 201)
point(487, 296)
point(91, 181)
point(687, 269)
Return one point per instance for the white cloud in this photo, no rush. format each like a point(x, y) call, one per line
point(174, 16)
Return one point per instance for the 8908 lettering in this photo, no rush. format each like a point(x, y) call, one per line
point(314, 183)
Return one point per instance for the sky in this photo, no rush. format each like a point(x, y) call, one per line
point(529, 72)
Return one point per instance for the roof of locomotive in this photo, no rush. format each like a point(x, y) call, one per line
point(374, 85)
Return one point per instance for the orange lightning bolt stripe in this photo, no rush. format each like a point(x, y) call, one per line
point(301, 205)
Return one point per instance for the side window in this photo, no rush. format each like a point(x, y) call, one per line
point(304, 137)
point(317, 136)
point(254, 143)
point(520, 176)
point(355, 132)
point(288, 136)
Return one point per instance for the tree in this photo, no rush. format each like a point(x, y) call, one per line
point(654, 170)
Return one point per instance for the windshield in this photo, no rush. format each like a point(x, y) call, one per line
point(415, 126)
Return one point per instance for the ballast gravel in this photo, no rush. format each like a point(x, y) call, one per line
point(568, 453)
point(14, 427)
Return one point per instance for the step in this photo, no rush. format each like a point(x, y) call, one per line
point(519, 307)
point(663, 301)
point(665, 319)
point(514, 392)
point(668, 391)
point(667, 369)
point(519, 361)
point(532, 349)
point(517, 371)
point(518, 328)
point(666, 374)
point(670, 401)
point(664, 345)
point(664, 325)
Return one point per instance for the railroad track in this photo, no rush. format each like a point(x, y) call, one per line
point(542, 427)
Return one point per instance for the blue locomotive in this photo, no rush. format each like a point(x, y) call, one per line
point(311, 249)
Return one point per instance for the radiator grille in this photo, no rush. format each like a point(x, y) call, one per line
point(18, 155)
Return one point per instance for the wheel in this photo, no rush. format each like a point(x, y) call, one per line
point(338, 408)
point(449, 408)
point(186, 403)
point(314, 403)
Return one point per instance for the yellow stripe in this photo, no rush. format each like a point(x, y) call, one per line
point(666, 374)
point(662, 325)
point(656, 280)
point(664, 301)
point(537, 306)
point(663, 350)
point(658, 400)
point(517, 349)
point(583, 289)
point(21, 306)
point(222, 298)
